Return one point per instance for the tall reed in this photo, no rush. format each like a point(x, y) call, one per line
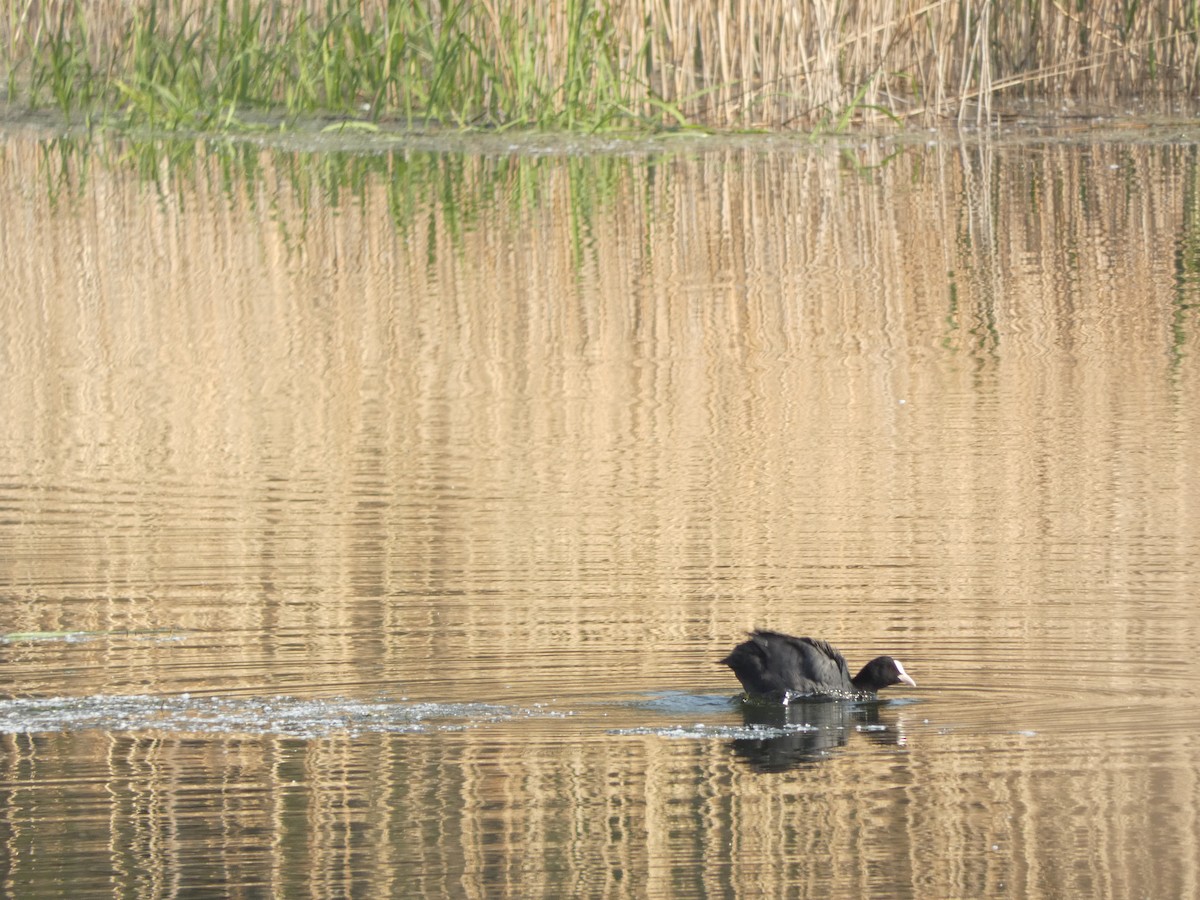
point(587, 64)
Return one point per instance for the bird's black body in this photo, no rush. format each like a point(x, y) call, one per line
point(778, 666)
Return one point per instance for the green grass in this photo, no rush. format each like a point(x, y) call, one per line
point(586, 65)
point(176, 64)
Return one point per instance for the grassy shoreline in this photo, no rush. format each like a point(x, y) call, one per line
point(586, 65)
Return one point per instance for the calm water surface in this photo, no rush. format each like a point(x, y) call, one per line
point(371, 524)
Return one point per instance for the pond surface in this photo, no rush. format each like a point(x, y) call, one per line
point(371, 523)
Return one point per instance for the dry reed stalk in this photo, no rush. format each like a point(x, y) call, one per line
point(735, 63)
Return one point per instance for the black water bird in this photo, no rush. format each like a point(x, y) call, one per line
point(778, 667)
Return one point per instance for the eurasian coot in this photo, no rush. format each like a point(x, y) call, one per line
point(779, 666)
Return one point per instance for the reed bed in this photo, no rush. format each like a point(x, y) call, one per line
point(589, 64)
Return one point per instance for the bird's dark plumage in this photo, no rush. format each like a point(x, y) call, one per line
point(778, 666)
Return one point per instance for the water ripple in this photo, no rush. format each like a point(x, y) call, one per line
point(274, 715)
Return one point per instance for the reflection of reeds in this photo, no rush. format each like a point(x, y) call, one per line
point(381, 434)
point(587, 63)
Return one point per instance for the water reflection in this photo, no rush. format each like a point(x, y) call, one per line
point(807, 731)
point(490, 433)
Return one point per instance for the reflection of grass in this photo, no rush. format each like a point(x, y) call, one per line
point(448, 192)
point(1186, 295)
point(178, 64)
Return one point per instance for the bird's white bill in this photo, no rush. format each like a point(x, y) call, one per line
point(904, 676)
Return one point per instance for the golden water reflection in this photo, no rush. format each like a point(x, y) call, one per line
point(457, 429)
